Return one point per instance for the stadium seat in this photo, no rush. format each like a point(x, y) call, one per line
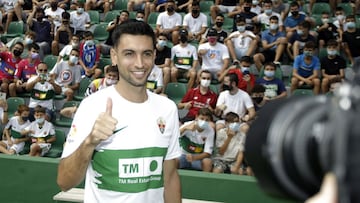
point(100, 32)
point(152, 19)
point(110, 16)
point(120, 4)
point(175, 91)
point(15, 29)
point(63, 121)
point(303, 92)
point(13, 103)
point(348, 10)
point(215, 88)
point(104, 62)
point(57, 146)
point(94, 16)
point(319, 8)
point(84, 83)
point(50, 60)
point(205, 6)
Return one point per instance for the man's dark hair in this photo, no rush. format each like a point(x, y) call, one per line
point(133, 28)
point(19, 43)
point(112, 68)
point(258, 88)
point(205, 112)
point(294, 3)
point(74, 49)
point(231, 116)
point(39, 109)
point(274, 18)
point(305, 24)
point(332, 42)
point(65, 15)
point(34, 46)
point(88, 34)
point(270, 64)
point(233, 78)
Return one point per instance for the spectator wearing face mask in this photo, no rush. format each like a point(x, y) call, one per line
point(351, 41)
point(246, 79)
point(230, 146)
point(163, 58)
point(89, 56)
point(197, 141)
point(215, 56)
point(63, 34)
point(199, 97)
point(79, 20)
point(274, 87)
point(257, 96)
point(27, 40)
point(111, 78)
point(25, 70)
point(195, 22)
point(218, 26)
point(65, 52)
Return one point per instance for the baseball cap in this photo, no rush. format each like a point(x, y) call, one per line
point(212, 33)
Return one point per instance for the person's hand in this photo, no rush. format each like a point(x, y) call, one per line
point(188, 105)
point(203, 51)
point(10, 142)
point(104, 125)
point(189, 157)
point(308, 82)
point(328, 191)
point(246, 78)
point(192, 126)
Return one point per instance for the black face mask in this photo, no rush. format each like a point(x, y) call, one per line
point(247, 9)
point(170, 9)
point(227, 87)
point(219, 24)
point(53, 5)
point(17, 52)
point(257, 100)
point(183, 38)
point(294, 13)
point(195, 12)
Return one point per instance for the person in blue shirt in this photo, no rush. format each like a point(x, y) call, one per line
point(306, 69)
point(274, 87)
point(294, 19)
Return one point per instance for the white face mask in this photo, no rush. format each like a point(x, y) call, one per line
point(40, 120)
point(205, 83)
point(74, 59)
point(202, 124)
point(110, 81)
point(234, 126)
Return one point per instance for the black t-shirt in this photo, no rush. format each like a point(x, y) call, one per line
point(333, 66)
point(229, 2)
point(353, 41)
point(162, 55)
point(329, 33)
point(64, 36)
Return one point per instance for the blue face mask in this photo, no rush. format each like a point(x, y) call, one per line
point(300, 32)
point(202, 124)
point(331, 52)
point(40, 120)
point(350, 25)
point(308, 53)
point(234, 126)
point(241, 28)
point(269, 73)
point(268, 11)
point(162, 43)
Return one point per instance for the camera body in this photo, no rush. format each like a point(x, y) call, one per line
point(294, 142)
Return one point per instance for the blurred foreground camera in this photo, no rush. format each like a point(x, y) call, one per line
point(294, 142)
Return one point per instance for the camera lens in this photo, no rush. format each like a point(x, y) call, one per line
point(285, 146)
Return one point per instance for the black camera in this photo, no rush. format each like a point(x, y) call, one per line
point(294, 142)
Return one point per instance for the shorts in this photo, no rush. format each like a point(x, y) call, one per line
point(226, 9)
point(223, 165)
point(45, 147)
point(269, 55)
point(64, 89)
point(139, 7)
point(182, 73)
point(184, 164)
point(16, 147)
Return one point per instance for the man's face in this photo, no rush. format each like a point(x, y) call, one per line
point(42, 68)
point(267, 6)
point(134, 55)
point(18, 47)
point(124, 16)
point(219, 19)
point(203, 117)
point(74, 53)
point(112, 75)
point(39, 115)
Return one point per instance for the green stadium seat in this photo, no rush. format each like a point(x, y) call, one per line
point(63, 121)
point(57, 146)
point(120, 4)
point(303, 92)
point(15, 29)
point(319, 8)
point(100, 32)
point(50, 60)
point(205, 6)
point(176, 91)
point(84, 83)
point(13, 103)
point(152, 19)
point(111, 15)
point(94, 16)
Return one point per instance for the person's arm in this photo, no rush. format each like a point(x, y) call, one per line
point(29, 20)
point(201, 156)
point(68, 111)
point(30, 84)
point(51, 139)
point(225, 145)
point(74, 86)
point(348, 53)
point(250, 116)
point(72, 169)
point(167, 63)
point(172, 189)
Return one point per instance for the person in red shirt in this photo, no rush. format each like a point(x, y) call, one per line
point(8, 65)
point(26, 69)
point(242, 70)
point(198, 97)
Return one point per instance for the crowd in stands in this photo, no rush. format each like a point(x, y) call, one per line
point(229, 55)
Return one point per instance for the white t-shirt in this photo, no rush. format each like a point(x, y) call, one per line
point(213, 60)
point(236, 145)
point(66, 74)
point(146, 136)
point(168, 22)
point(56, 15)
point(241, 42)
point(195, 24)
point(196, 141)
point(46, 130)
point(42, 94)
point(65, 51)
point(16, 127)
point(183, 57)
point(78, 21)
point(237, 103)
point(265, 19)
point(156, 75)
point(8, 5)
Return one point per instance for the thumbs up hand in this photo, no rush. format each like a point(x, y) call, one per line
point(104, 125)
